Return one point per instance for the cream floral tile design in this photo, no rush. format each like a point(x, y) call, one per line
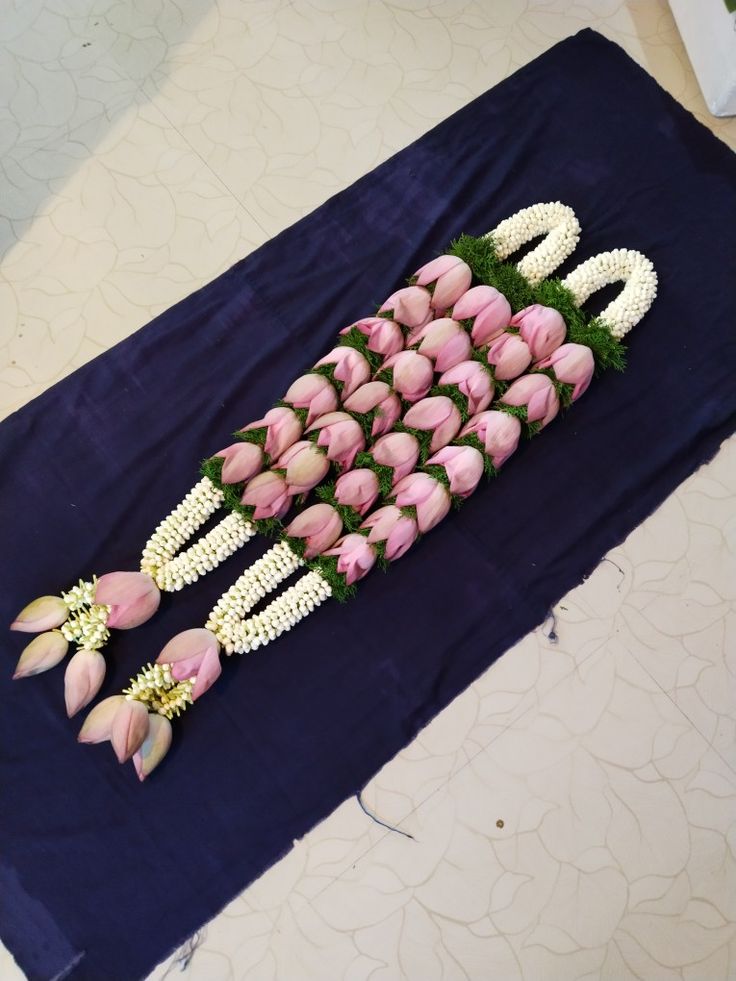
point(118, 222)
point(146, 147)
point(289, 103)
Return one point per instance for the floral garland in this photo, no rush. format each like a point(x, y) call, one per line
point(368, 425)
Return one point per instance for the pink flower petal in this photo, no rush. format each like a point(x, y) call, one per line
point(129, 729)
point(241, 462)
point(83, 679)
point(43, 652)
point(186, 651)
point(43, 613)
point(432, 270)
point(154, 747)
point(97, 727)
point(133, 596)
point(451, 286)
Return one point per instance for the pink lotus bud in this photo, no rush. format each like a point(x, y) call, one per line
point(438, 415)
point(542, 328)
point(355, 557)
point(341, 436)
point(445, 342)
point(451, 276)
point(320, 526)
point(384, 336)
point(154, 747)
point(357, 489)
point(97, 726)
point(194, 654)
point(427, 495)
point(306, 465)
point(43, 652)
point(43, 613)
point(510, 357)
point(474, 381)
point(83, 679)
point(268, 494)
point(397, 530)
point(129, 729)
point(376, 397)
point(242, 461)
point(463, 465)
point(314, 393)
point(537, 393)
point(489, 310)
point(498, 431)
point(412, 374)
point(397, 450)
point(573, 364)
point(132, 596)
point(410, 306)
point(283, 425)
point(351, 368)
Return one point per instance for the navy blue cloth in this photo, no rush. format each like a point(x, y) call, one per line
point(101, 876)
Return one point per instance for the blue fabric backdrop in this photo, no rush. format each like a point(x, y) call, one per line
point(100, 877)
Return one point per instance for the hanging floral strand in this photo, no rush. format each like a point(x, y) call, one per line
point(446, 469)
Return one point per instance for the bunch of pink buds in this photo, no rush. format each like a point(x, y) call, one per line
point(85, 615)
point(138, 722)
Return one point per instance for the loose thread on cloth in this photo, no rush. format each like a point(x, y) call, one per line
point(383, 824)
point(551, 635)
point(183, 957)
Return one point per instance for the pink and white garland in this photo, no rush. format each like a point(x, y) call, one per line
point(368, 409)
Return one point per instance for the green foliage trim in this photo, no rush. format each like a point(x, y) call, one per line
point(297, 545)
point(270, 527)
point(328, 371)
point(359, 342)
point(439, 474)
point(348, 515)
point(385, 474)
point(366, 420)
point(422, 436)
point(326, 565)
point(487, 268)
point(529, 429)
point(380, 549)
point(301, 414)
point(472, 440)
point(257, 436)
point(564, 391)
point(232, 493)
point(459, 399)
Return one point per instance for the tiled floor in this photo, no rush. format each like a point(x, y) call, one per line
point(573, 813)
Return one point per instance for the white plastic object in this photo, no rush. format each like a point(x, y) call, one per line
point(708, 32)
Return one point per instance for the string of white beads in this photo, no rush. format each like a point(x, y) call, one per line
point(276, 565)
point(295, 603)
point(555, 220)
point(204, 555)
point(620, 265)
point(175, 530)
